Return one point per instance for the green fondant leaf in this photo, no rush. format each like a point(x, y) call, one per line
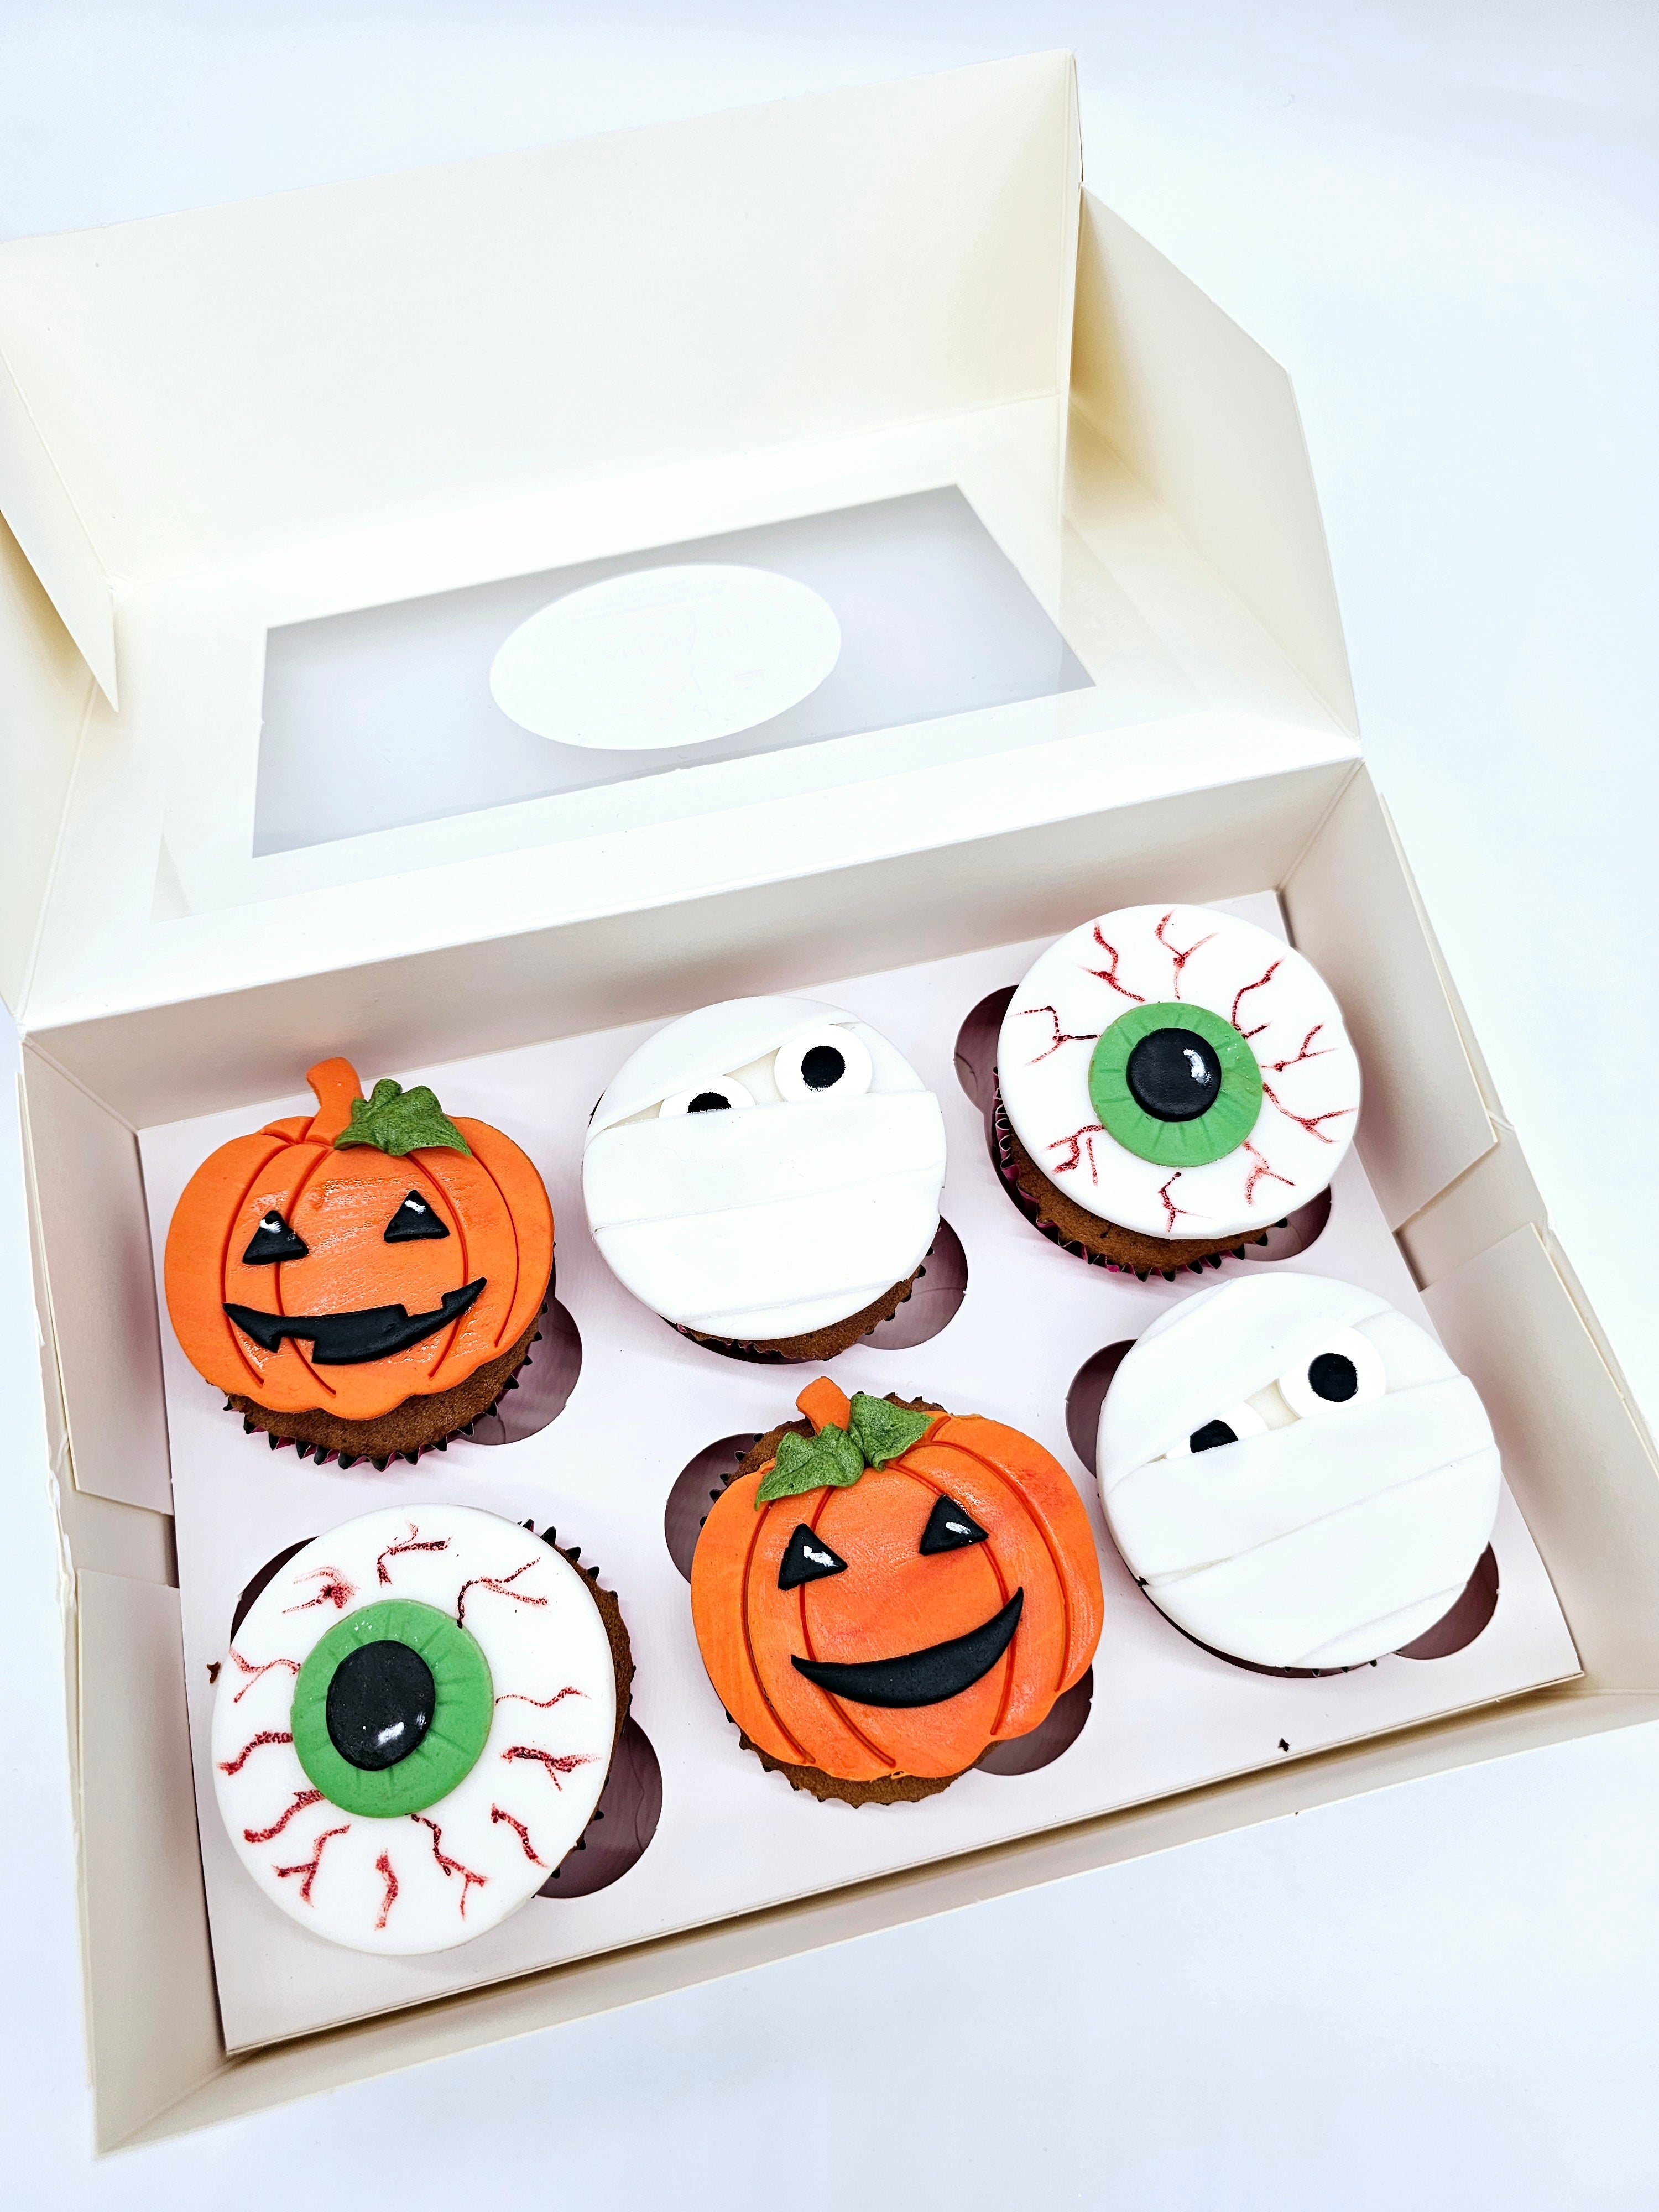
point(882, 1430)
point(397, 1120)
point(829, 1460)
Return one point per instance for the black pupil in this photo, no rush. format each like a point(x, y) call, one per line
point(1334, 1377)
point(1211, 1434)
point(708, 1102)
point(379, 1704)
point(822, 1068)
point(1174, 1075)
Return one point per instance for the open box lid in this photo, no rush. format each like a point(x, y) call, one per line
point(216, 422)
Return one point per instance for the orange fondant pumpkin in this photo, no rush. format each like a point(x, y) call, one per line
point(371, 1253)
point(902, 1621)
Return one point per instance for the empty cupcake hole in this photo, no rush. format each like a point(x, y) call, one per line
point(624, 1821)
point(1088, 1394)
point(1457, 1628)
point(696, 1487)
point(977, 1047)
point(541, 1389)
point(272, 1567)
point(1049, 1739)
point(1289, 1237)
point(941, 1285)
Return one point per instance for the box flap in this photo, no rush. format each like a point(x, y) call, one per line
point(45, 690)
point(215, 384)
point(1208, 422)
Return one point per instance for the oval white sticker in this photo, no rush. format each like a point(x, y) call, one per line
point(671, 656)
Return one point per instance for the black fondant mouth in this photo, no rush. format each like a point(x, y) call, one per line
point(921, 1678)
point(346, 1340)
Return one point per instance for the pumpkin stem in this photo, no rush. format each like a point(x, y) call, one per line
point(826, 1404)
point(335, 1082)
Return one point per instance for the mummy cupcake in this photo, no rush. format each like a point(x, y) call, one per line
point(1171, 1083)
point(364, 1279)
point(765, 1175)
point(886, 1589)
point(414, 1723)
point(1295, 1473)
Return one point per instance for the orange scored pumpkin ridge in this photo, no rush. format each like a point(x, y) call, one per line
point(893, 1599)
point(339, 1203)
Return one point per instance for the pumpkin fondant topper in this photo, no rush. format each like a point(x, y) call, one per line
point(887, 1590)
point(364, 1279)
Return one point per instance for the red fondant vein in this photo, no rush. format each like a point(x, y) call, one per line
point(257, 1674)
point(1108, 976)
point(411, 1543)
point(266, 1735)
point(1179, 957)
point(301, 1799)
point(499, 1584)
point(306, 1867)
point(521, 1832)
point(557, 1764)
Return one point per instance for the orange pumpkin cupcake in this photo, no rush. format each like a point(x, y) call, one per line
point(886, 1589)
point(366, 1280)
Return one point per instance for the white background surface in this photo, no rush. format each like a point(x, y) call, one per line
point(1441, 218)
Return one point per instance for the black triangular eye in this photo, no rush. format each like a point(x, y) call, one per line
point(807, 1559)
point(415, 1217)
point(949, 1526)
point(271, 1241)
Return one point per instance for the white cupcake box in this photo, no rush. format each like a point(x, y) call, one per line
point(283, 483)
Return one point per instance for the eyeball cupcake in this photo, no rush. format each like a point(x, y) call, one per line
point(886, 1589)
point(364, 1279)
point(1171, 1082)
point(1295, 1474)
point(414, 1725)
point(765, 1175)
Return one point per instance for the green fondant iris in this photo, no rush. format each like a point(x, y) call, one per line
point(392, 1709)
point(1175, 1085)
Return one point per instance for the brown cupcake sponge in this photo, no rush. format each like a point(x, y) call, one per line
point(417, 1425)
point(818, 1344)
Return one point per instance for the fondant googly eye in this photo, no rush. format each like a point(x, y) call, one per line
point(713, 1096)
point(826, 1063)
point(1239, 1421)
point(1346, 1369)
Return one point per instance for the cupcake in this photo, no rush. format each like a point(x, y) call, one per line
point(765, 1175)
point(1297, 1475)
point(885, 1590)
point(1171, 1083)
point(414, 1725)
point(366, 1280)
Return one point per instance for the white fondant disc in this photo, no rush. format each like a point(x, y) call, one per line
point(774, 1217)
point(421, 1882)
point(667, 656)
point(1190, 955)
point(1317, 1543)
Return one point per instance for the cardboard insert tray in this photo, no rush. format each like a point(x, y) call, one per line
point(1164, 1717)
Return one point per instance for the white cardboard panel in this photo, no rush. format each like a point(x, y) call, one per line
point(1354, 910)
point(1136, 828)
point(1575, 1454)
point(89, 1191)
point(276, 371)
point(154, 2032)
point(1166, 1716)
point(43, 693)
point(1208, 422)
point(46, 522)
